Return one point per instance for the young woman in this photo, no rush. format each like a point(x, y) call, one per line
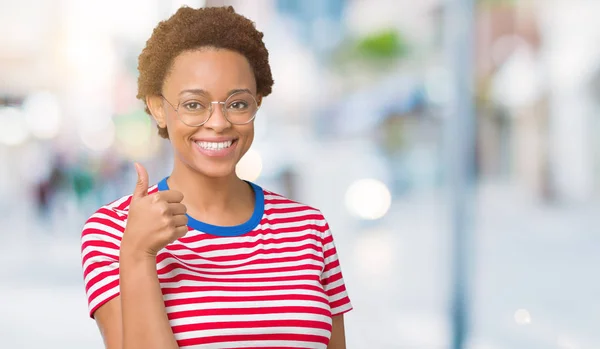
point(204, 259)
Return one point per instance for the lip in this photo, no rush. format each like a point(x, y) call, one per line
point(213, 139)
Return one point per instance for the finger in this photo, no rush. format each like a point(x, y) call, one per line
point(177, 209)
point(141, 187)
point(170, 196)
point(180, 220)
point(181, 231)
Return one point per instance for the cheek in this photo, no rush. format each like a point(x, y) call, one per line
point(172, 122)
point(178, 132)
point(248, 138)
point(177, 128)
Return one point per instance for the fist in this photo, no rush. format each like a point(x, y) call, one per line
point(154, 220)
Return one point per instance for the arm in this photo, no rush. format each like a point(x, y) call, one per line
point(145, 321)
point(108, 318)
point(335, 288)
point(137, 318)
point(338, 335)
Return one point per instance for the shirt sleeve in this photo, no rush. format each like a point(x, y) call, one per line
point(100, 244)
point(332, 278)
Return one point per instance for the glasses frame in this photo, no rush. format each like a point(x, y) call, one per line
point(211, 110)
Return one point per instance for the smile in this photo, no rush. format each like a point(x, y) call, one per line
point(214, 145)
point(218, 148)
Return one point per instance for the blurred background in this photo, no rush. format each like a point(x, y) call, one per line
point(359, 125)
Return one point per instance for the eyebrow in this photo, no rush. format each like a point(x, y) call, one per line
point(199, 91)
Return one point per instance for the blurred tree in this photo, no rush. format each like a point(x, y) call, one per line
point(387, 44)
point(373, 54)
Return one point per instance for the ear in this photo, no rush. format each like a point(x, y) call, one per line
point(155, 105)
point(259, 99)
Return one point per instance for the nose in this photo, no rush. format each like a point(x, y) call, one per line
point(217, 120)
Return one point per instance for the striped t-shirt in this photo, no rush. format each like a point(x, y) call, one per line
point(273, 281)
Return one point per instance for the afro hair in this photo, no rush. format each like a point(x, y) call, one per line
point(190, 29)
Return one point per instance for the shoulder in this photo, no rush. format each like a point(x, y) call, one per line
point(277, 202)
point(280, 207)
point(112, 216)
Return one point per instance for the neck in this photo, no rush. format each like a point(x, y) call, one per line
point(205, 194)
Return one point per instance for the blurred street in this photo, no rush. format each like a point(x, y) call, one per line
point(360, 125)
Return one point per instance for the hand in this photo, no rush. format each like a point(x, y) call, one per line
point(154, 220)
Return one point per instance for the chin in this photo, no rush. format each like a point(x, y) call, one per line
point(212, 170)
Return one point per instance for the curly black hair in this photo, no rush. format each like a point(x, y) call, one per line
point(189, 29)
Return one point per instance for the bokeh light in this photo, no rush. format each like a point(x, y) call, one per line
point(98, 139)
point(522, 317)
point(14, 129)
point(42, 115)
point(368, 199)
point(250, 166)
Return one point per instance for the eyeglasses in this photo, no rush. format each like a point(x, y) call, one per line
point(239, 109)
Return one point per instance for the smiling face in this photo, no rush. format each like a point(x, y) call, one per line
point(195, 79)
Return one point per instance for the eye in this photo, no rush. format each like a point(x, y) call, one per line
point(238, 105)
point(194, 106)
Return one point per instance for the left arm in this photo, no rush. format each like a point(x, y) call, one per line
point(335, 288)
point(338, 335)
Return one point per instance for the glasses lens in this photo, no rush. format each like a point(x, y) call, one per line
point(241, 108)
point(194, 111)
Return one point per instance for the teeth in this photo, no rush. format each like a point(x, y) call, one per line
point(214, 145)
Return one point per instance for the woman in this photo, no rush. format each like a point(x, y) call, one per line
point(204, 259)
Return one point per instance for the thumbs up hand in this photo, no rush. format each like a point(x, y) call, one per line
point(154, 220)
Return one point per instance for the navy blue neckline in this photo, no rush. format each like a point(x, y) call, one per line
point(236, 230)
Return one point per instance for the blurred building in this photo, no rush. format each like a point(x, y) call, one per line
point(355, 126)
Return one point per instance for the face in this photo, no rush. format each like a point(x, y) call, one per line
point(206, 75)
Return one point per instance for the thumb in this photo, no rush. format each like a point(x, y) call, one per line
point(141, 186)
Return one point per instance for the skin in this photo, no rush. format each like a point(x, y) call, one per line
point(212, 193)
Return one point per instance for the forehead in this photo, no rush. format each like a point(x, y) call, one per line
point(216, 71)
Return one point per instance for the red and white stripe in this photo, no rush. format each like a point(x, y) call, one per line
point(276, 286)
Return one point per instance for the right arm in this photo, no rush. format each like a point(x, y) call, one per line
point(145, 321)
point(137, 318)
